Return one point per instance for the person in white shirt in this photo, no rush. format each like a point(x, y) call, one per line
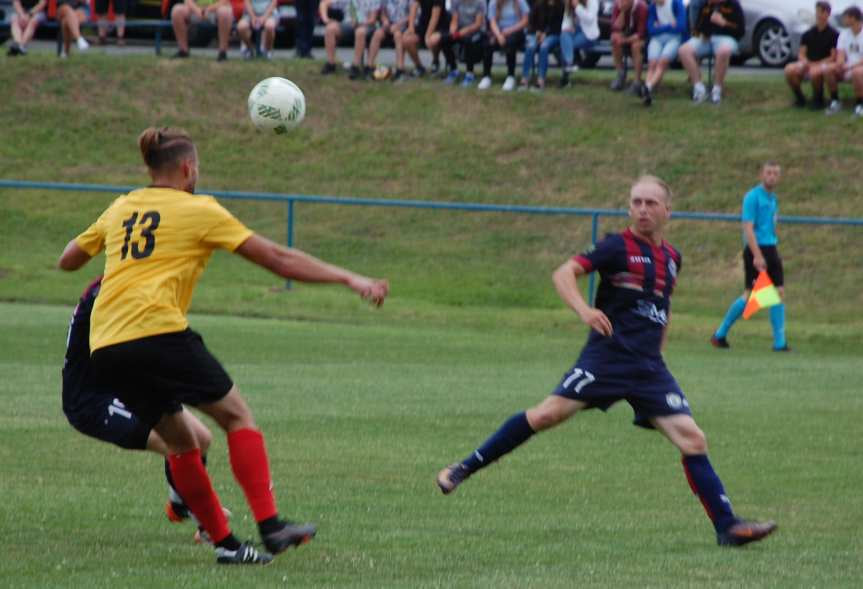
point(849, 62)
point(579, 32)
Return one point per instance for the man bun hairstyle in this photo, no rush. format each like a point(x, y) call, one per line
point(165, 147)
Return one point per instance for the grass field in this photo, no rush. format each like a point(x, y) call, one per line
point(362, 407)
point(360, 418)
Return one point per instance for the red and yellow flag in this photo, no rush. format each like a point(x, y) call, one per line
point(763, 295)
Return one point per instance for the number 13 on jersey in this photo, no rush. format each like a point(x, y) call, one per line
point(148, 224)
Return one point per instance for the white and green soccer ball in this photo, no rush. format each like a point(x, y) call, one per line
point(276, 105)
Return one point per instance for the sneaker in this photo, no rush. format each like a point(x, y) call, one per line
point(14, 49)
point(485, 83)
point(22, 50)
point(82, 44)
point(420, 72)
point(268, 55)
point(523, 85)
point(63, 54)
point(784, 348)
point(451, 477)
point(858, 111)
point(177, 512)
point(435, 68)
point(398, 76)
point(452, 77)
point(508, 84)
point(635, 89)
point(246, 53)
point(834, 107)
point(329, 68)
point(716, 95)
point(180, 54)
point(222, 56)
point(368, 73)
point(564, 80)
point(468, 81)
point(290, 534)
point(719, 342)
point(744, 532)
point(245, 554)
point(647, 96)
point(354, 73)
point(619, 82)
point(699, 93)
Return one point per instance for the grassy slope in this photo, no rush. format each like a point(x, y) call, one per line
point(597, 503)
point(77, 121)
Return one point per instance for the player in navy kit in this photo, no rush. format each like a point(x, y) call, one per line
point(622, 359)
point(92, 408)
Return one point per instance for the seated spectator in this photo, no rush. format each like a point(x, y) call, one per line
point(849, 62)
point(507, 20)
point(579, 31)
point(817, 53)
point(393, 19)
point(543, 34)
point(260, 15)
point(360, 23)
point(220, 13)
point(428, 20)
point(628, 32)
point(718, 27)
point(27, 16)
point(119, 20)
point(667, 25)
point(70, 15)
point(465, 31)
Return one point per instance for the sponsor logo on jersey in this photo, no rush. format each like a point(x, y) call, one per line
point(640, 260)
point(672, 268)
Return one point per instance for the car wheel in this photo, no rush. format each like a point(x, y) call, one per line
point(772, 44)
point(586, 59)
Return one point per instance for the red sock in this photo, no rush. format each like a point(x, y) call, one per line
point(194, 486)
point(252, 470)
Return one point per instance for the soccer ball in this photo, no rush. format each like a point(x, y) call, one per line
point(277, 105)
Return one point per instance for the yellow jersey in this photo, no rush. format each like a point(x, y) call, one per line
point(157, 242)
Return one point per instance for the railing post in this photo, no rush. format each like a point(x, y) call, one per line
point(289, 232)
point(594, 234)
point(158, 44)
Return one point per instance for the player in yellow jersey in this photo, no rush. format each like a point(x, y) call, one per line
point(157, 241)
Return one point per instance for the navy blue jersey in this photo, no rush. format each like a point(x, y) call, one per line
point(636, 282)
point(77, 372)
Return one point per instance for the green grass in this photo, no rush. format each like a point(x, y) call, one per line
point(360, 418)
point(77, 121)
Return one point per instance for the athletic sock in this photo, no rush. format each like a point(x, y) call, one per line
point(705, 483)
point(252, 470)
point(174, 495)
point(514, 432)
point(194, 486)
point(733, 314)
point(230, 542)
point(777, 321)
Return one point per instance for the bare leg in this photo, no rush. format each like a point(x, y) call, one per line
point(687, 58)
point(375, 46)
point(269, 34)
point(637, 59)
point(331, 36)
point(359, 45)
point(723, 58)
point(224, 18)
point(180, 22)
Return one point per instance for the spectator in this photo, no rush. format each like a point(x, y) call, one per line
point(119, 20)
point(817, 53)
point(260, 14)
point(544, 26)
point(359, 23)
point(628, 31)
point(217, 12)
point(427, 21)
point(849, 62)
point(507, 20)
point(304, 27)
point(718, 27)
point(393, 19)
point(70, 15)
point(579, 31)
point(667, 25)
point(465, 30)
point(27, 16)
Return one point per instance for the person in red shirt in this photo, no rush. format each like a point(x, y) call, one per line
point(628, 31)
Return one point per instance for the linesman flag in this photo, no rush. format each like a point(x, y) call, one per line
point(763, 295)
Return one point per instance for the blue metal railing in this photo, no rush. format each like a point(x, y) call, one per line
point(290, 199)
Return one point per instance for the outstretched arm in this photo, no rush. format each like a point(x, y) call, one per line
point(565, 279)
point(297, 265)
point(73, 257)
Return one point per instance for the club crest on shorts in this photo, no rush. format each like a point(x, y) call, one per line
point(674, 400)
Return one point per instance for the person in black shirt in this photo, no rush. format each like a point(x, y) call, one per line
point(817, 52)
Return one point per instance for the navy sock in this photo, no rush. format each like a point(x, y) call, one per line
point(514, 432)
point(706, 484)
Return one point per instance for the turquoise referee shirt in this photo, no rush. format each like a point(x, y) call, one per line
point(761, 208)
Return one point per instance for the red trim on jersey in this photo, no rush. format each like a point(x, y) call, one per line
point(633, 252)
point(659, 262)
point(584, 263)
point(91, 286)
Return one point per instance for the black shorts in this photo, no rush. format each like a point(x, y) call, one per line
point(106, 418)
point(157, 375)
point(119, 6)
point(774, 266)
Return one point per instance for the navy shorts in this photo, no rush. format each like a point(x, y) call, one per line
point(650, 392)
point(104, 417)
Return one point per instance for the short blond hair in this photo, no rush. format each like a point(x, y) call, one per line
point(656, 181)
